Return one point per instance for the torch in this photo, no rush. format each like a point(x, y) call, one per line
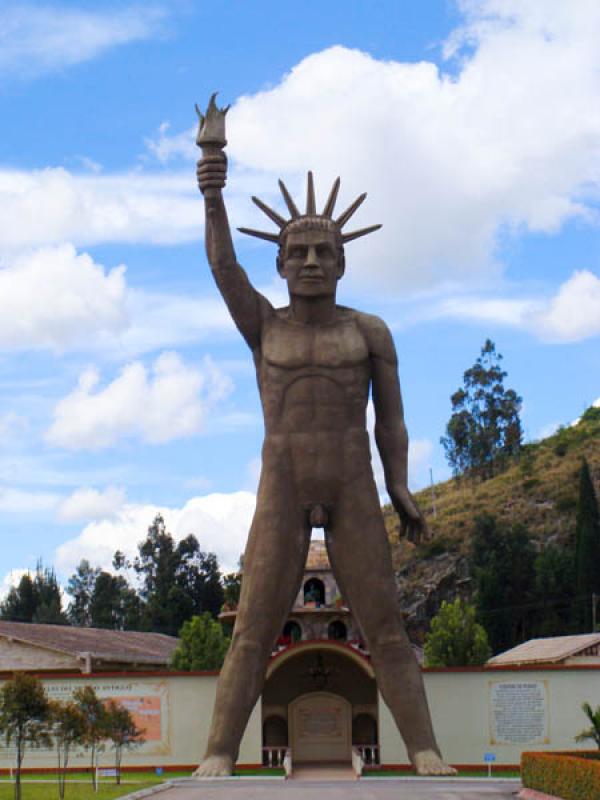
point(211, 135)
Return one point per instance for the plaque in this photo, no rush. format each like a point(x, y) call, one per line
point(519, 712)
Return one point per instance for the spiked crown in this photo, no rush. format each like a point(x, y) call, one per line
point(311, 216)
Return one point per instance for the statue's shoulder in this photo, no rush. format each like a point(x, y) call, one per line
point(376, 333)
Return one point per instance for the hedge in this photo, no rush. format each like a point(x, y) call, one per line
point(571, 775)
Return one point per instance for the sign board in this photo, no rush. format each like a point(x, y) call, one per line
point(519, 712)
point(489, 757)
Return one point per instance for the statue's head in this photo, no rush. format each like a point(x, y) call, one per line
point(310, 246)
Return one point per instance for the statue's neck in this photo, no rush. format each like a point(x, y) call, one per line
point(312, 310)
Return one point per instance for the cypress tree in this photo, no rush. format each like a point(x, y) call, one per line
point(587, 549)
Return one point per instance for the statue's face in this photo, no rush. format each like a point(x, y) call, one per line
point(311, 263)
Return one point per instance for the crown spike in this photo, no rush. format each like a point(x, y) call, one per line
point(311, 206)
point(343, 218)
point(348, 237)
point(273, 215)
point(270, 237)
point(288, 201)
point(330, 204)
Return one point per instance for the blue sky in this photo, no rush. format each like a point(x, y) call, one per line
point(124, 389)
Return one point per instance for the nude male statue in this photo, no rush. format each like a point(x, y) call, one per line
point(315, 363)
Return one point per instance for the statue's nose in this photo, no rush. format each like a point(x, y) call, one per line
point(312, 260)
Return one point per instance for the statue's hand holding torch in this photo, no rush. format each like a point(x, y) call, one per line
point(212, 167)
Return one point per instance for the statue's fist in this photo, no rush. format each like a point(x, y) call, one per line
point(212, 172)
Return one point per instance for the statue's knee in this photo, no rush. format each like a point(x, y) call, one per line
point(247, 645)
point(386, 641)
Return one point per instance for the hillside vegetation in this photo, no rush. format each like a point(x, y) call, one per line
point(539, 490)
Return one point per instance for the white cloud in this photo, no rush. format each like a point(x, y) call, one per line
point(571, 315)
point(54, 297)
point(419, 456)
point(22, 501)
point(574, 312)
point(53, 205)
point(168, 401)
point(219, 521)
point(35, 38)
point(508, 138)
point(88, 503)
point(11, 579)
point(80, 304)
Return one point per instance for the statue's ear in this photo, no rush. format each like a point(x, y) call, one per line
point(279, 264)
point(341, 264)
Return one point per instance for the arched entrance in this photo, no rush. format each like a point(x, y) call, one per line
point(320, 727)
point(319, 688)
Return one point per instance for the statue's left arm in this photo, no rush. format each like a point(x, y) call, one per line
point(391, 435)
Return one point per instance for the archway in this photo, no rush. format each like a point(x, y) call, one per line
point(292, 632)
point(327, 668)
point(314, 592)
point(337, 631)
point(364, 736)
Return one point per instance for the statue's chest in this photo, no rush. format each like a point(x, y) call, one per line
point(291, 346)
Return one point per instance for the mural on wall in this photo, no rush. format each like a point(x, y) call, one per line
point(148, 704)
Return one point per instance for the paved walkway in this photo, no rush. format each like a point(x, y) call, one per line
point(368, 789)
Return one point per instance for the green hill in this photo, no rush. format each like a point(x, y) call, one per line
point(540, 491)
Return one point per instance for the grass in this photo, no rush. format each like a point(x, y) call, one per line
point(79, 784)
point(77, 791)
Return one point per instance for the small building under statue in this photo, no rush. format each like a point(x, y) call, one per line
point(320, 696)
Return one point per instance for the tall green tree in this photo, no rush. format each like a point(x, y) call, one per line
point(37, 598)
point(24, 718)
point(122, 731)
point(484, 430)
point(94, 733)
point(503, 566)
point(114, 604)
point(81, 587)
point(68, 729)
point(178, 580)
point(554, 591)
point(456, 639)
point(203, 645)
point(587, 549)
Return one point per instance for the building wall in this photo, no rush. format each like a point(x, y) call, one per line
point(468, 709)
point(468, 713)
point(16, 656)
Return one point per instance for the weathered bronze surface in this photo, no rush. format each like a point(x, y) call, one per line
point(316, 362)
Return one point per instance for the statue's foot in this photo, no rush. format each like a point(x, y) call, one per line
point(428, 762)
point(215, 767)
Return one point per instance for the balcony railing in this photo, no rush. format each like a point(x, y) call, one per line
point(368, 752)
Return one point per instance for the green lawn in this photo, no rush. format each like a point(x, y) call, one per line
point(76, 791)
point(79, 784)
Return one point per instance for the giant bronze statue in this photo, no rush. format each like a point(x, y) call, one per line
point(315, 362)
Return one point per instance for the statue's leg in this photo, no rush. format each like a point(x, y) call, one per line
point(360, 557)
point(272, 573)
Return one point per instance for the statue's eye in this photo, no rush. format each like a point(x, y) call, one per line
point(324, 250)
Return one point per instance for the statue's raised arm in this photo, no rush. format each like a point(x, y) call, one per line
point(247, 306)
